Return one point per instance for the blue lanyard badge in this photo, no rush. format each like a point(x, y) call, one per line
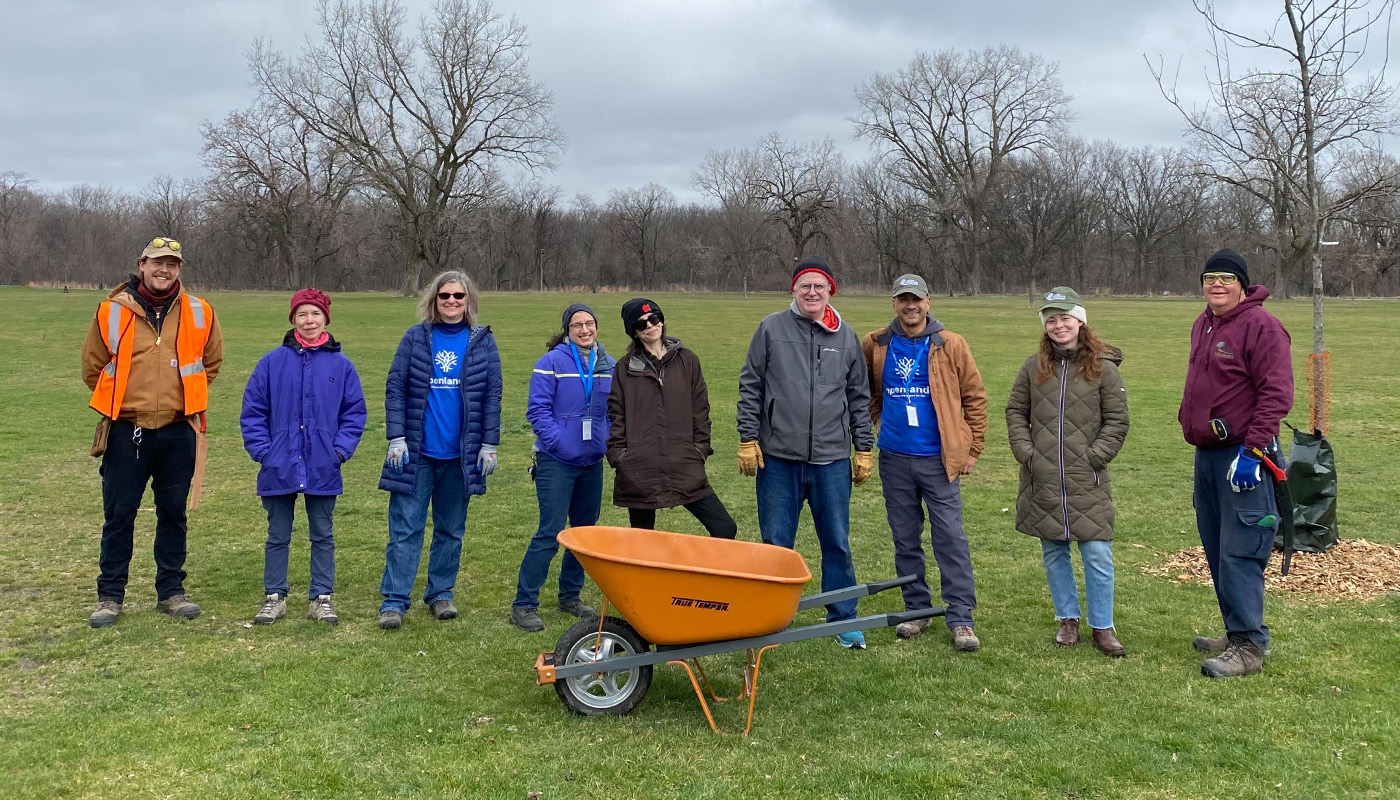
point(910, 411)
point(586, 377)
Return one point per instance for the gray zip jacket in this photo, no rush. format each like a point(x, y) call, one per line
point(803, 391)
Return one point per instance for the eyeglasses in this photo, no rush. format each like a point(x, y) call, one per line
point(587, 325)
point(452, 295)
point(1222, 278)
point(804, 288)
point(646, 321)
point(158, 243)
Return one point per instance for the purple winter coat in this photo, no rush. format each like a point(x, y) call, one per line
point(1240, 371)
point(303, 413)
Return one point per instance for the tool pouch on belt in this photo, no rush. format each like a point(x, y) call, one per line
point(99, 436)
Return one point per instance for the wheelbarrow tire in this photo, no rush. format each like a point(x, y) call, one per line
point(599, 693)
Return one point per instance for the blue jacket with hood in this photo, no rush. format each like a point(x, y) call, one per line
point(558, 406)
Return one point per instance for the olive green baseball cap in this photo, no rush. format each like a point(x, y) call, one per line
point(1062, 298)
point(910, 284)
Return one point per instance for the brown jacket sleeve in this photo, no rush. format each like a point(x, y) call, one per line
point(95, 354)
point(699, 407)
point(617, 417)
point(213, 348)
point(877, 393)
point(974, 394)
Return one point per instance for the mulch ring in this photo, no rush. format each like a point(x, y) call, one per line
point(1353, 570)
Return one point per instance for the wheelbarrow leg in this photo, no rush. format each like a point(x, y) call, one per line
point(706, 680)
point(751, 680)
point(698, 694)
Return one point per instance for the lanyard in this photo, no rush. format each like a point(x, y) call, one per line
point(919, 356)
point(585, 377)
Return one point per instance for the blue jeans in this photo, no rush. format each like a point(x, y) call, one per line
point(1237, 532)
point(1098, 580)
point(782, 487)
point(320, 515)
point(441, 482)
point(565, 493)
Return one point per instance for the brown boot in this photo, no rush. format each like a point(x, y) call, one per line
point(1215, 644)
point(1069, 633)
point(1105, 642)
point(1241, 658)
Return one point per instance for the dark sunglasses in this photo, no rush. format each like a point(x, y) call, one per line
point(453, 295)
point(647, 321)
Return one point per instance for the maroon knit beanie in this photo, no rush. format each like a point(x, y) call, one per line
point(314, 297)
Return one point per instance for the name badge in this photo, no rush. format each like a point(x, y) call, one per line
point(913, 416)
point(588, 430)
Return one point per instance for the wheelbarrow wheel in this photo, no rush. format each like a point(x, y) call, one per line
point(597, 693)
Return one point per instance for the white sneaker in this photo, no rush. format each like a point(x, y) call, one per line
point(321, 610)
point(273, 609)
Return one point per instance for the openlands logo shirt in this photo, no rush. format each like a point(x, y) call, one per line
point(442, 426)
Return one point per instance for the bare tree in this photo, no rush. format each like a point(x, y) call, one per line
point(640, 214)
point(1154, 194)
point(18, 205)
point(428, 118)
point(951, 119)
point(1033, 211)
point(798, 185)
point(731, 178)
point(170, 207)
point(1280, 133)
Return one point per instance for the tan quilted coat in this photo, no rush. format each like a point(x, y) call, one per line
point(1063, 433)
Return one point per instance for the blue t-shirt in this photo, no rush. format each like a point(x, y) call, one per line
point(905, 384)
point(442, 427)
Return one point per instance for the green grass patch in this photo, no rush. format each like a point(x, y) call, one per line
point(157, 708)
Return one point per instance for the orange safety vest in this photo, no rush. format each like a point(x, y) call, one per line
point(115, 321)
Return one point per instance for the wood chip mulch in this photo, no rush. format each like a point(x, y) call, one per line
point(1353, 570)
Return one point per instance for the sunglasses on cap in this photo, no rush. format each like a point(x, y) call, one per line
point(452, 295)
point(1222, 278)
point(646, 321)
point(159, 242)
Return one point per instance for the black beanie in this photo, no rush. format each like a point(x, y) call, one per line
point(635, 309)
point(813, 264)
point(574, 309)
point(1228, 260)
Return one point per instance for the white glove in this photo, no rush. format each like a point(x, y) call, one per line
point(486, 459)
point(398, 454)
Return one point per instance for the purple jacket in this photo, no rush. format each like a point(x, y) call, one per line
point(1240, 371)
point(557, 406)
point(303, 413)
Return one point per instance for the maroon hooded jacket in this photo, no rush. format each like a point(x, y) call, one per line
point(1240, 371)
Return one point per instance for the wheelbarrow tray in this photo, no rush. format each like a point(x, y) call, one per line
point(676, 589)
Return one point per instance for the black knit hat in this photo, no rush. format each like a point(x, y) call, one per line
point(574, 309)
point(635, 309)
point(1228, 260)
point(813, 264)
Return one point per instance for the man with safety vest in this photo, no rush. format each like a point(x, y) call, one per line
point(149, 357)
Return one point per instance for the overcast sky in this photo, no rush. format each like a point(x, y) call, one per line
point(114, 92)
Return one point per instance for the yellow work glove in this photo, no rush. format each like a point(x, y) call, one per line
point(862, 464)
point(750, 458)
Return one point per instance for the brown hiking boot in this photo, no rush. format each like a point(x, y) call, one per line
point(1241, 658)
point(1105, 642)
point(443, 609)
point(911, 629)
point(964, 639)
point(106, 614)
point(179, 605)
point(1068, 635)
point(1215, 644)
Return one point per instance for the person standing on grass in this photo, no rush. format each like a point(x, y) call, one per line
point(303, 415)
point(923, 375)
point(150, 354)
point(1239, 387)
point(1067, 418)
point(568, 411)
point(804, 399)
point(442, 408)
point(660, 427)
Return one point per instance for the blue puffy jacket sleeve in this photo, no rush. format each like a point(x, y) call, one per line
point(539, 410)
point(256, 416)
point(351, 424)
point(494, 387)
point(396, 389)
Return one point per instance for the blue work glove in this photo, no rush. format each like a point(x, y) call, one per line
point(1244, 473)
point(486, 459)
point(398, 454)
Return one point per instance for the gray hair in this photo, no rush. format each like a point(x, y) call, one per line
point(427, 303)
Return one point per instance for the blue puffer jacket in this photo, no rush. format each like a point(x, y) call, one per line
point(556, 408)
point(303, 413)
point(406, 403)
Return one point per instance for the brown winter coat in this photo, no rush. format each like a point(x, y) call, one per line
point(659, 429)
point(1064, 432)
point(959, 398)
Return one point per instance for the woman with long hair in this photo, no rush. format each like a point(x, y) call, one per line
point(442, 408)
point(567, 409)
point(1067, 418)
point(659, 437)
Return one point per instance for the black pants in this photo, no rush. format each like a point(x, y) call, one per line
point(164, 457)
point(709, 510)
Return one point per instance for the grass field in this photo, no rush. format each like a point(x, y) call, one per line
point(215, 709)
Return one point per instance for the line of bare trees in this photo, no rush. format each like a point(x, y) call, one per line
point(380, 153)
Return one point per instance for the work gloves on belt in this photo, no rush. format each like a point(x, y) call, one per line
point(1244, 473)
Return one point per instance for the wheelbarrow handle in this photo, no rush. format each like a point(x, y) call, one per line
point(901, 617)
point(852, 592)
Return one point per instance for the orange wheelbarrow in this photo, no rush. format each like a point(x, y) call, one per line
point(689, 597)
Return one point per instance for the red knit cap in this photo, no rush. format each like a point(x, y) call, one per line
point(813, 264)
point(312, 297)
